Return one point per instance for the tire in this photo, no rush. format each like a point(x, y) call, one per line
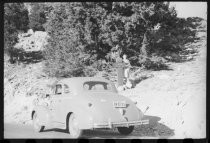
point(36, 124)
point(73, 127)
point(125, 130)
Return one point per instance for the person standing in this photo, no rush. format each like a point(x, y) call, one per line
point(127, 71)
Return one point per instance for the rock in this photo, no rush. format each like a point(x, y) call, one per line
point(120, 88)
point(128, 84)
point(30, 31)
point(32, 41)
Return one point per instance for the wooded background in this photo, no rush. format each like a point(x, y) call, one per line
point(82, 35)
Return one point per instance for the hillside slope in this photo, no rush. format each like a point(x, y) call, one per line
point(24, 82)
point(177, 96)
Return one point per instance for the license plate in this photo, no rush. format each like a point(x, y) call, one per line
point(119, 104)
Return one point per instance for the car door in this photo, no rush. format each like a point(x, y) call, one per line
point(65, 103)
point(55, 102)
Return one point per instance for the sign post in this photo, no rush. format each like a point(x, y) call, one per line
point(120, 71)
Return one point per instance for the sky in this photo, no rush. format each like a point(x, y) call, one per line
point(190, 9)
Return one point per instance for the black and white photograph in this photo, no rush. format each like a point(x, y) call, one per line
point(105, 70)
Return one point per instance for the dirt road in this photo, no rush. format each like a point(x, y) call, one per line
point(15, 131)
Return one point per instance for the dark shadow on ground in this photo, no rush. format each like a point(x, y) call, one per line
point(139, 79)
point(153, 129)
point(163, 67)
point(28, 57)
point(56, 130)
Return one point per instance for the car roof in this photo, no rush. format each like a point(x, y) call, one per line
point(76, 83)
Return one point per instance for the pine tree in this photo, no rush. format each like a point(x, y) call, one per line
point(15, 20)
point(64, 53)
point(37, 16)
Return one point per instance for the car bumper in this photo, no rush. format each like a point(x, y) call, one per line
point(121, 124)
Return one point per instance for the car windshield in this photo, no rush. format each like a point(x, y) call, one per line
point(97, 86)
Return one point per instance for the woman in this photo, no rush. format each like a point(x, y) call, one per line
point(127, 71)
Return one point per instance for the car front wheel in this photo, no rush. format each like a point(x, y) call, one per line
point(74, 129)
point(125, 130)
point(36, 123)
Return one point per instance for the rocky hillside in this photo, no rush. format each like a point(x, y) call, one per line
point(175, 96)
point(32, 41)
point(24, 82)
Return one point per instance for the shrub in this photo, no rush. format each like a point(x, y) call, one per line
point(84, 32)
point(154, 62)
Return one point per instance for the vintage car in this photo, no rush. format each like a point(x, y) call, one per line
point(84, 103)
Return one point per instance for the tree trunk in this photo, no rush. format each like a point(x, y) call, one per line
point(11, 55)
point(143, 49)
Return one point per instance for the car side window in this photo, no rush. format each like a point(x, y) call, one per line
point(58, 89)
point(66, 89)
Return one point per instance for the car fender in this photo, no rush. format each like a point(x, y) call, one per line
point(43, 114)
point(141, 114)
point(84, 117)
point(80, 109)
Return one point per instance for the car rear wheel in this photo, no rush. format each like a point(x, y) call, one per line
point(36, 123)
point(125, 130)
point(73, 127)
